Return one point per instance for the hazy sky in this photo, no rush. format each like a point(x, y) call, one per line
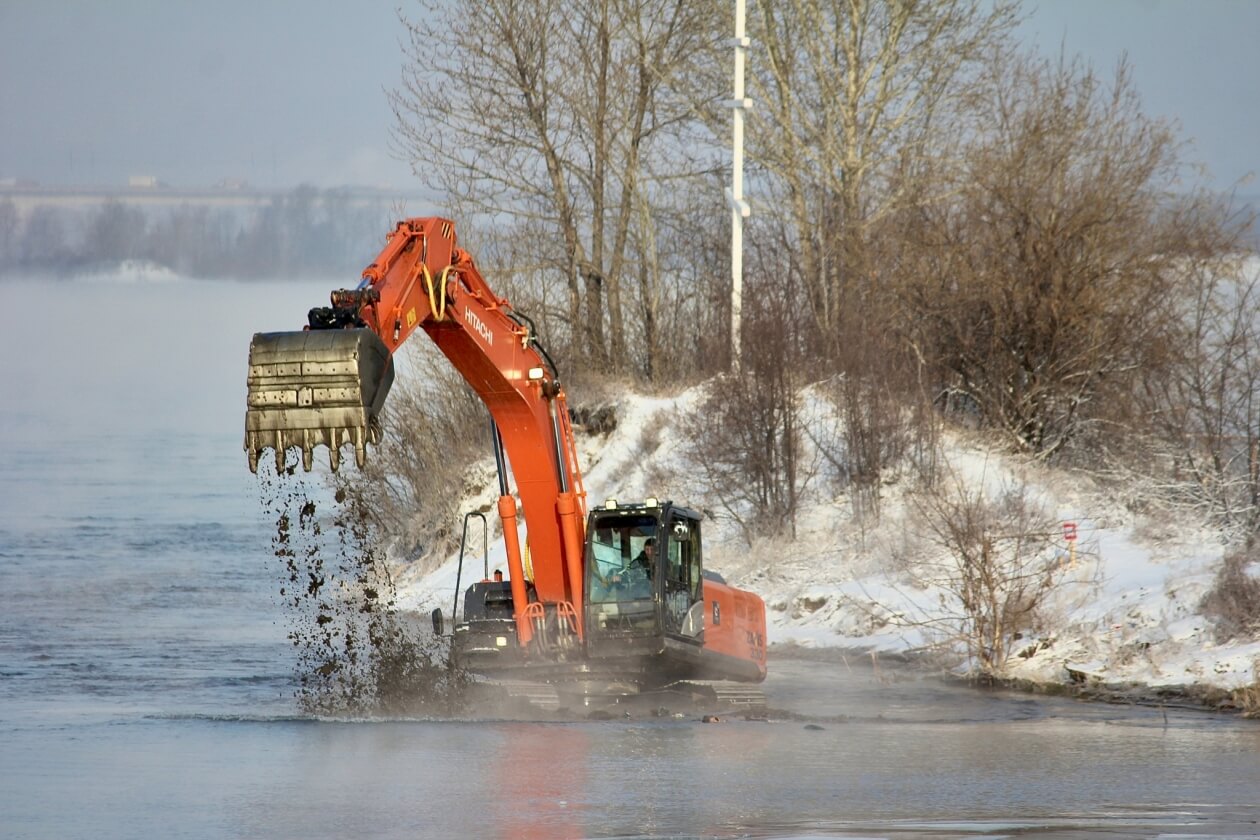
point(281, 92)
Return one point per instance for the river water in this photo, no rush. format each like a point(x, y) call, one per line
point(147, 686)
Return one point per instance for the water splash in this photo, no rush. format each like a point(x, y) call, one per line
point(356, 654)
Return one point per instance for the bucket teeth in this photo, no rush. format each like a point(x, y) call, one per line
point(306, 441)
point(281, 451)
point(360, 448)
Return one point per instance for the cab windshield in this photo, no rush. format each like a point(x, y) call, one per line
point(623, 565)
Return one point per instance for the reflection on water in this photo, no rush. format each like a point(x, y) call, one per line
point(1066, 771)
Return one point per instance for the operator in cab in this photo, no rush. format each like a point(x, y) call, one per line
point(627, 579)
point(635, 580)
point(643, 561)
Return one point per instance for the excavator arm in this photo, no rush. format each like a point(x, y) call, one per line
point(326, 385)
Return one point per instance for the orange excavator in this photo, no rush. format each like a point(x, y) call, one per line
point(614, 601)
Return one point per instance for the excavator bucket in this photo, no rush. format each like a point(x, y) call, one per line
point(315, 387)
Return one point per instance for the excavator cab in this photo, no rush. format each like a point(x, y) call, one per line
point(644, 576)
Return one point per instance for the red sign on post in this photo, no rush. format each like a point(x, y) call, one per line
point(1069, 531)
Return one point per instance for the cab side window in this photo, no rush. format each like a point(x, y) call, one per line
point(682, 572)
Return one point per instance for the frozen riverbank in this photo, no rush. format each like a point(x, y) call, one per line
point(1123, 617)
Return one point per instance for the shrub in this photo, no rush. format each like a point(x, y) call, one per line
point(997, 570)
point(1234, 599)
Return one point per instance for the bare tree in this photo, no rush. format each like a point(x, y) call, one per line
point(1206, 412)
point(854, 96)
point(1048, 285)
point(747, 437)
point(562, 122)
point(48, 240)
point(116, 232)
point(681, 333)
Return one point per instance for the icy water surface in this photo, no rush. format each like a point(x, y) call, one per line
point(147, 687)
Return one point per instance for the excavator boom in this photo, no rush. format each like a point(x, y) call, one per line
point(326, 385)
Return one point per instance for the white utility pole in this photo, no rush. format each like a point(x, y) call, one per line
point(735, 195)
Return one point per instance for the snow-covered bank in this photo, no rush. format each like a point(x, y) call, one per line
point(1124, 610)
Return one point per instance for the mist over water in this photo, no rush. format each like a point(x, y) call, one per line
point(150, 685)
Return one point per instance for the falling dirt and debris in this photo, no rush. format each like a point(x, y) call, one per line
point(356, 655)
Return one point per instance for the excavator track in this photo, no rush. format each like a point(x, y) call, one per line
point(741, 696)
